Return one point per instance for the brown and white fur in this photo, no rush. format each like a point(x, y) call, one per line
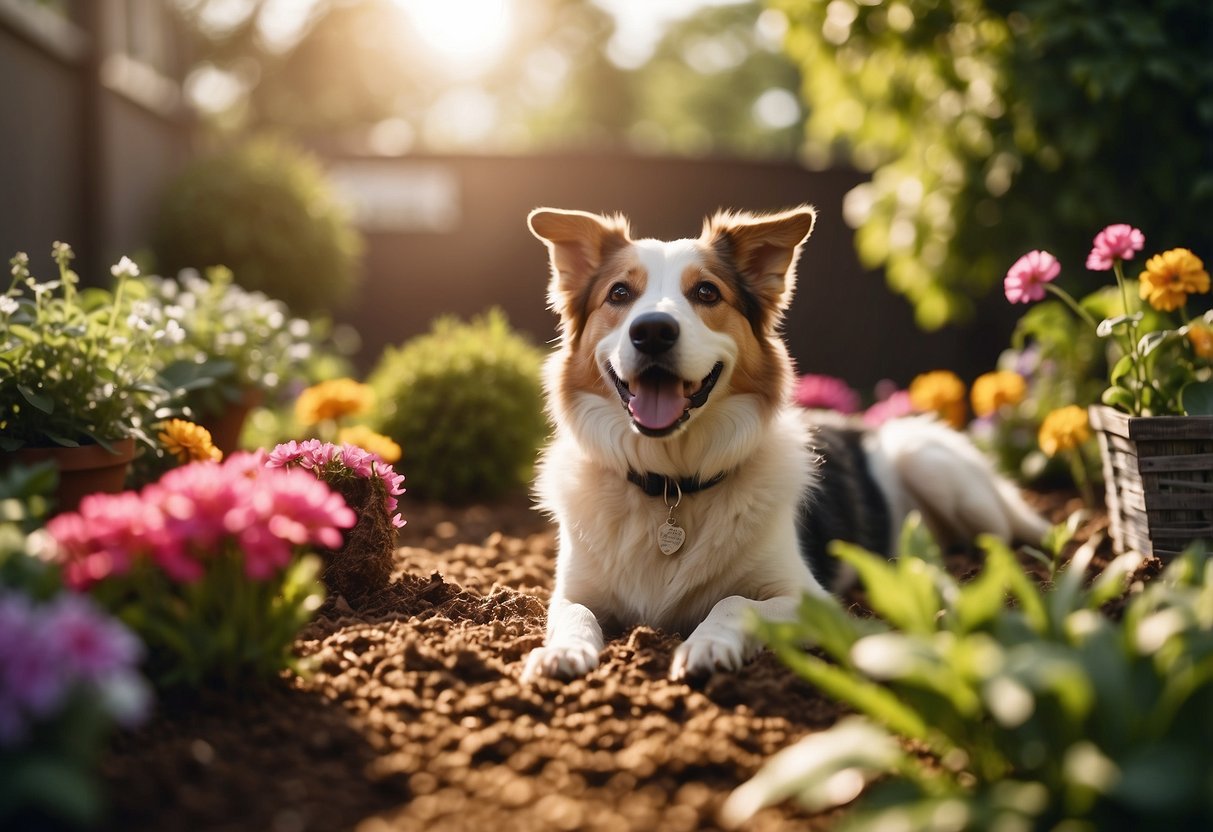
point(671, 365)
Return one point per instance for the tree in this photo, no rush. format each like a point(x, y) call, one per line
point(992, 127)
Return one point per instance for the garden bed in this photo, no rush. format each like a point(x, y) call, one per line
point(413, 717)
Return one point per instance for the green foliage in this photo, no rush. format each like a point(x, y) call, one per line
point(465, 404)
point(224, 630)
point(266, 211)
point(1043, 714)
point(76, 367)
point(26, 495)
point(993, 127)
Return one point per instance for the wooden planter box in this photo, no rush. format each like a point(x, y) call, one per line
point(1158, 473)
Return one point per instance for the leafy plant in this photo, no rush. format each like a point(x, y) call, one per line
point(1045, 714)
point(77, 367)
point(465, 404)
point(208, 565)
point(266, 211)
point(232, 341)
point(973, 114)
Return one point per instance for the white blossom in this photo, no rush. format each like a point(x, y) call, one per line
point(124, 268)
point(8, 305)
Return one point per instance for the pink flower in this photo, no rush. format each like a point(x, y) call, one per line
point(1116, 242)
point(194, 514)
point(821, 392)
point(1026, 279)
point(894, 406)
point(333, 462)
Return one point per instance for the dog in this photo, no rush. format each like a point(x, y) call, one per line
point(687, 489)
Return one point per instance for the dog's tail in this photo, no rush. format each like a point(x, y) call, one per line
point(952, 484)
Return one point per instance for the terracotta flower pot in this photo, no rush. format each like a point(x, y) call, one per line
point(226, 426)
point(85, 470)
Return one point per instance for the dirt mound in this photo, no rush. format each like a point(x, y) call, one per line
point(412, 716)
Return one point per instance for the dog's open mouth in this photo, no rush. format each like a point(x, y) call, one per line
point(659, 401)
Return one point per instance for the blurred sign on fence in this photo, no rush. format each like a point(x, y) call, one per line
point(394, 196)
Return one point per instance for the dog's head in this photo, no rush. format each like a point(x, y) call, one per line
point(669, 330)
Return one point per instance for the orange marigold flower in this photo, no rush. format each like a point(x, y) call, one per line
point(941, 392)
point(1201, 339)
point(188, 442)
point(1063, 429)
point(378, 444)
point(994, 390)
point(330, 400)
point(1170, 277)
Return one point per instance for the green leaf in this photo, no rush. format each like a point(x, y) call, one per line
point(809, 770)
point(41, 401)
point(1153, 340)
point(1122, 368)
point(904, 594)
point(982, 599)
point(1119, 398)
point(1196, 398)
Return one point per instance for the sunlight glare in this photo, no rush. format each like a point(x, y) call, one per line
point(465, 34)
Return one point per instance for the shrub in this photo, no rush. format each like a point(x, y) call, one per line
point(1046, 715)
point(465, 404)
point(266, 212)
point(208, 565)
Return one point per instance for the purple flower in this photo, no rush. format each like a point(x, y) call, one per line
point(820, 392)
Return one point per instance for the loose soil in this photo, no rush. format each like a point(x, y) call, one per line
point(413, 717)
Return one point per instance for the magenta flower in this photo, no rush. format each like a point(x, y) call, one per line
point(331, 463)
point(894, 406)
point(1116, 242)
point(818, 392)
point(194, 514)
point(1026, 279)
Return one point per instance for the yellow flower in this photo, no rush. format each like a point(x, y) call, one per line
point(1201, 339)
point(188, 442)
point(1063, 429)
point(365, 438)
point(1170, 277)
point(993, 390)
point(330, 400)
point(942, 392)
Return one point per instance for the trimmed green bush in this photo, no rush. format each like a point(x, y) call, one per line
point(465, 403)
point(265, 211)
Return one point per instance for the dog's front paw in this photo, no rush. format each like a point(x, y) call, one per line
point(701, 654)
point(560, 661)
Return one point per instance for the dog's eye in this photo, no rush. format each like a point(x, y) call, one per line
point(620, 293)
point(706, 293)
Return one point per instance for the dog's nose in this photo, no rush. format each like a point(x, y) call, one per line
point(653, 332)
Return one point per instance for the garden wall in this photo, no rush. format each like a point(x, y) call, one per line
point(93, 126)
point(448, 234)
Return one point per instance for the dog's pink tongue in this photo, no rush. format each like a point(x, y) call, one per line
point(657, 403)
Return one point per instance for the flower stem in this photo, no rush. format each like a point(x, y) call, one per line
point(1073, 304)
point(1078, 470)
point(1139, 370)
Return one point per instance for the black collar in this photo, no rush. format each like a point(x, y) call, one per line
point(659, 485)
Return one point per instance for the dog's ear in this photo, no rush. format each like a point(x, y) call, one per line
point(763, 249)
point(578, 242)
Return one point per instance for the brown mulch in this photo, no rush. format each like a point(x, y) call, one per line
point(413, 716)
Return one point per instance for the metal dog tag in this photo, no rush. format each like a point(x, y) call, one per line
point(670, 537)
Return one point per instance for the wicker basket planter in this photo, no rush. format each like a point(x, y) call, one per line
point(1158, 472)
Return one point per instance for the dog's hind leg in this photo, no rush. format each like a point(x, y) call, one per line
point(954, 485)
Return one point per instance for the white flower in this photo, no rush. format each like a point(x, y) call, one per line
point(40, 289)
point(173, 332)
point(124, 268)
point(8, 305)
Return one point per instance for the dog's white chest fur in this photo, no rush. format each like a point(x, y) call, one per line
point(611, 559)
